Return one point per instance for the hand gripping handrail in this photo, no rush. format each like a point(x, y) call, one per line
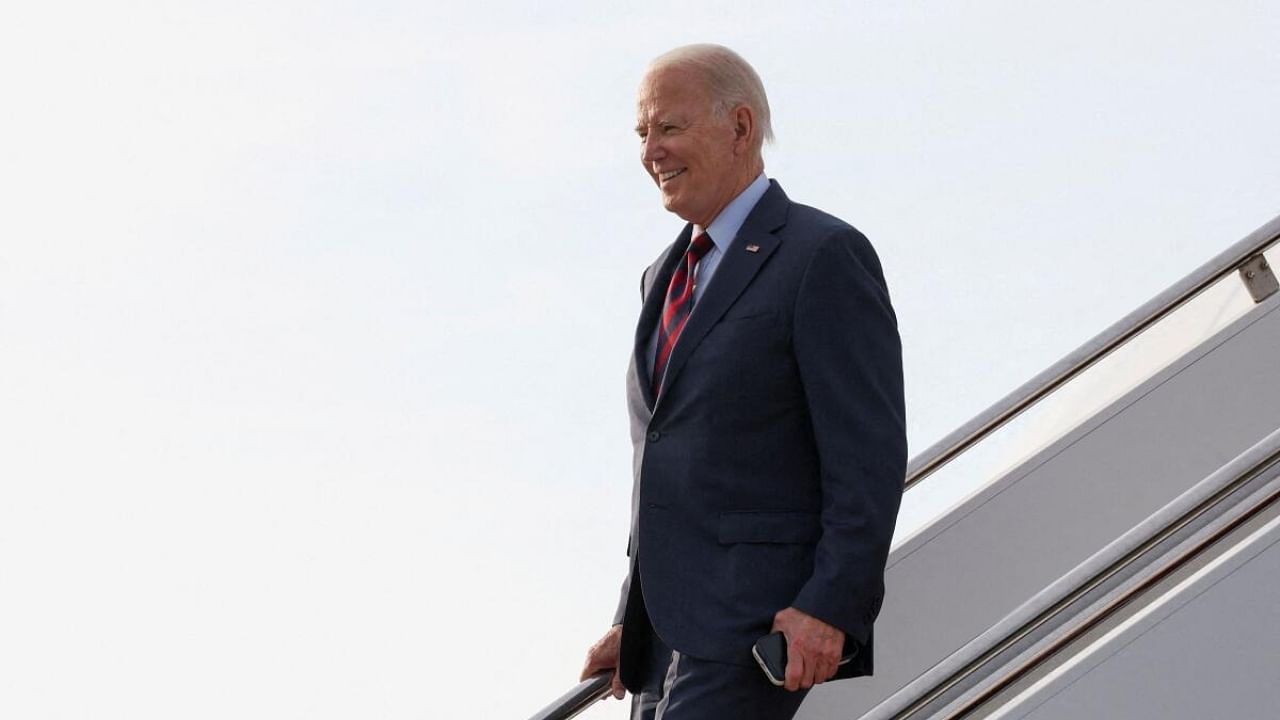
point(578, 699)
point(1083, 357)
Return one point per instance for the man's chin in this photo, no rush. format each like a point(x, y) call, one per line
point(672, 205)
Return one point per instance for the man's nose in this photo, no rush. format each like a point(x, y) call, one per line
point(651, 149)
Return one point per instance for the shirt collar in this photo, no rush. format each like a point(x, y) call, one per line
point(726, 225)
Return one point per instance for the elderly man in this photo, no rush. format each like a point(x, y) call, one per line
point(766, 402)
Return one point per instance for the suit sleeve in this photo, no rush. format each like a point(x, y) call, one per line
point(621, 612)
point(849, 355)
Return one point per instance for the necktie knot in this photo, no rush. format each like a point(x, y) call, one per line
point(700, 246)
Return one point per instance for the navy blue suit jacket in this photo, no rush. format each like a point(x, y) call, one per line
point(769, 472)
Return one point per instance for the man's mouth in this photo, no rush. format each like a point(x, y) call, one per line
point(665, 176)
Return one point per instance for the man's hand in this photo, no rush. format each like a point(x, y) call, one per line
point(604, 656)
point(813, 648)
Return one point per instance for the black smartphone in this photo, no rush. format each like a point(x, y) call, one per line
point(770, 652)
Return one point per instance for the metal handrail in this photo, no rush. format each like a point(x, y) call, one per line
point(586, 694)
point(1098, 587)
point(1110, 608)
point(1085, 356)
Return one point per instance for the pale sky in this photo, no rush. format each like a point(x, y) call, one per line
point(314, 316)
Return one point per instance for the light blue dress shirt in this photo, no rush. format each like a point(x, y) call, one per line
point(722, 232)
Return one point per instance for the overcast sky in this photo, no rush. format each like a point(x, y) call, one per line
point(314, 315)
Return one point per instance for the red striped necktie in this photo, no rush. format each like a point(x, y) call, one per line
point(676, 309)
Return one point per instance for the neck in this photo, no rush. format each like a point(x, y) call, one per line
point(744, 180)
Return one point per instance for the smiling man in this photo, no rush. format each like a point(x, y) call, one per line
point(766, 402)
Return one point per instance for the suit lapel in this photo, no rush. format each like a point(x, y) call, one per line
point(736, 270)
point(651, 310)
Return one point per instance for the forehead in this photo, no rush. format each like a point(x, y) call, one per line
point(670, 91)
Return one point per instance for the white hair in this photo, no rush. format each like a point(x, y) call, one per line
point(730, 79)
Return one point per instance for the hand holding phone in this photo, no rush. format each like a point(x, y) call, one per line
point(770, 653)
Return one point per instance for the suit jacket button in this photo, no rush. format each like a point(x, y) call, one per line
point(654, 435)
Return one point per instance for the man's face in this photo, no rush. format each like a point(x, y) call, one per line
point(692, 155)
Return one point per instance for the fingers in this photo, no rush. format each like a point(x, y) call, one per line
point(809, 676)
point(808, 665)
point(824, 666)
point(827, 672)
point(595, 663)
point(604, 654)
point(828, 664)
point(618, 690)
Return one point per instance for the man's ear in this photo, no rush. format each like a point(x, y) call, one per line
point(744, 127)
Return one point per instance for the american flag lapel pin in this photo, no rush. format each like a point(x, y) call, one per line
point(753, 248)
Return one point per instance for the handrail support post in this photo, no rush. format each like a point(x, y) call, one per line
point(1257, 276)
